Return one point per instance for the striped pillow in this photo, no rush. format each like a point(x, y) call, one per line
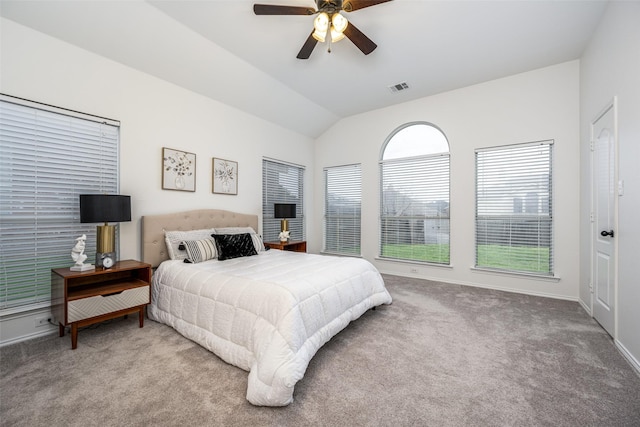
point(199, 250)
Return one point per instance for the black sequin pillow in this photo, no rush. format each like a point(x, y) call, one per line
point(234, 245)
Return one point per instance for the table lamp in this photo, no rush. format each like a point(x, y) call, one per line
point(105, 208)
point(284, 211)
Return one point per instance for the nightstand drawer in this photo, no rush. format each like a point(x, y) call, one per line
point(87, 308)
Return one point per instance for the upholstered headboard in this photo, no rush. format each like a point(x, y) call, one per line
point(154, 249)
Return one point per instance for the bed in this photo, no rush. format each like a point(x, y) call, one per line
point(267, 313)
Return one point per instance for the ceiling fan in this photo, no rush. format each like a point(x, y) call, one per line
point(328, 25)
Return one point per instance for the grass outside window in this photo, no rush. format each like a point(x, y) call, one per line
point(529, 259)
point(426, 253)
point(510, 258)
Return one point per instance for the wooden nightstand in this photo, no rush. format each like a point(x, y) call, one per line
point(295, 246)
point(83, 298)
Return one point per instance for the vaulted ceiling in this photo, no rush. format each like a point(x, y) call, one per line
point(222, 50)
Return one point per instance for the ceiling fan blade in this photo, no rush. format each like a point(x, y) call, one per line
point(307, 47)
point(271, 9)
point(351, 5)
point(358, 38)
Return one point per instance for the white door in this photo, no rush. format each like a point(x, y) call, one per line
point(604, 219)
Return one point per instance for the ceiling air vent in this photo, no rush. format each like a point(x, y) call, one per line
point(399, 87)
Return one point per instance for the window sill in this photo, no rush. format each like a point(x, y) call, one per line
point(523, 275)
point(341, 254)
point(406, 261)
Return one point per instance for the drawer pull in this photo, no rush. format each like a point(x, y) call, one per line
point(114, 293)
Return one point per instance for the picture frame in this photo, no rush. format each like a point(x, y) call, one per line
point(224, 176)
point(178, 170)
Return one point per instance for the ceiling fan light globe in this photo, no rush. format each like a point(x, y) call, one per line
point(321, 23)
point(339, 22)
point(336, 36)
point(320, 36)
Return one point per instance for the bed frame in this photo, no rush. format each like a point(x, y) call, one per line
point(154, 249)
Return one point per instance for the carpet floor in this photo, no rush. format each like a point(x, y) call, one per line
point(440, 355)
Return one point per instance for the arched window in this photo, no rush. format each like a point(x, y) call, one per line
point(414, 198)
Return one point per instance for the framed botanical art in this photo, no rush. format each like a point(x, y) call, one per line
point(225, 176)
point(178, 170)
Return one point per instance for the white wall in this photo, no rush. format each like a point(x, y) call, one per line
point(611, 67)
point(537, 105)
point(541, 104)
point(153, 114)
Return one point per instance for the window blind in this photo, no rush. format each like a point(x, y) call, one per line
point(282, 183)
point(415, 208)
point(48, 157)
point(343, 194)
point(514, 221)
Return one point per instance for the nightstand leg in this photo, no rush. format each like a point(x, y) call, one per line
point(74, 336)
point(141, 316)
point(61, 329)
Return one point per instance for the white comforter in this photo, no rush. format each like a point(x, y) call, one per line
point(267, 314)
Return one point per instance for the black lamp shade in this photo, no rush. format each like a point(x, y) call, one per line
point(104, 208)
point(284, 210)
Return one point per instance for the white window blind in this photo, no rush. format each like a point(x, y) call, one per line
point(514, 221)
point(415, 208)
point(282, 183)
point(343, 194)
point(48, 157)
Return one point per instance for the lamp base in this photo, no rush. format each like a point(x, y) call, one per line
point(105, 238)
point(105, 245)
point(284, 225)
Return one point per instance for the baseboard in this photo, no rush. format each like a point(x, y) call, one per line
point(627, 355)
point(25, 325)
point(48, 331)
point(483, 286)
point(585, 307)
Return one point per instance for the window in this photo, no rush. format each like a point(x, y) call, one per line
point(415, 195)
point(343, 190)
point(514, 220)
point(48, 156)
point(282, 183)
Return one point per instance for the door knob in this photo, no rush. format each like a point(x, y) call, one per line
point(605, 233)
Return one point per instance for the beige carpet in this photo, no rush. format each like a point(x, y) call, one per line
point(440, 355)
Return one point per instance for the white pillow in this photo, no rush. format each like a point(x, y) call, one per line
point(257, 239)
point(174, 238)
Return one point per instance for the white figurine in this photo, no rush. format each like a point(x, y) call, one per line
point(77, 254)
point(284, 236)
